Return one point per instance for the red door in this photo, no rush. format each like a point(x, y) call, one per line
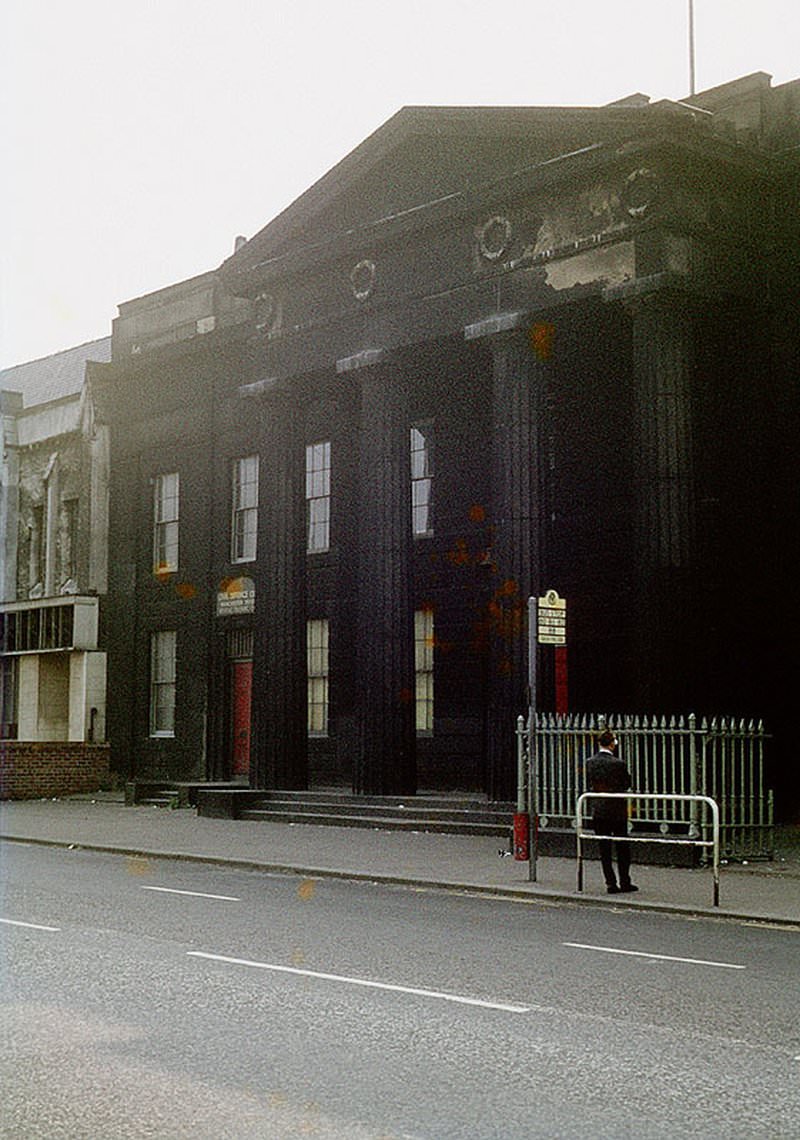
point(241, 685)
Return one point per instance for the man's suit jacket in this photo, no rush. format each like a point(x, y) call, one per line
point(607, 773)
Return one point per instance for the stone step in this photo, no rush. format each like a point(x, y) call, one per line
point(430, 810)
point(424, 799)
point(159, 791)
point(446, 824)
point(457, 814)
point(164, 797)
point(454, 815)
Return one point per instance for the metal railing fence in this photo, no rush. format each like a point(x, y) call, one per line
point(672, 756)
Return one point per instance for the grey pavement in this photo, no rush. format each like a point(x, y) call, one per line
point(760, 891)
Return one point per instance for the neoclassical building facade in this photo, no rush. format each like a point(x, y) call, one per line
point(494, 351)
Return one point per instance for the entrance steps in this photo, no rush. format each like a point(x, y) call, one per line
point(171, 793)
point(448, 814)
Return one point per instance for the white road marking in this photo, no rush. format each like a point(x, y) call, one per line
point(505, 1007)
point(659, 957)
point(29, 925)
point(195, 894)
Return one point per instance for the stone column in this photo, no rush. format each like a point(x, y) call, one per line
point(663, 337)
point(280, 676)
point(385, 763)
point(518, 374)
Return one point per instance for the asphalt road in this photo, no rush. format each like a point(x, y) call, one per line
point(161, 999)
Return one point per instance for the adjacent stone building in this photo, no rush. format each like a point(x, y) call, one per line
point(493, 351)
point(54, 522)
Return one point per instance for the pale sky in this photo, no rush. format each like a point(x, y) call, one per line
point(138, 139)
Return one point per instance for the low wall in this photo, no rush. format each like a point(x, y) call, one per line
point(31, 771)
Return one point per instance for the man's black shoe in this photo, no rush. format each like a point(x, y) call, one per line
point(613, 889)
point(628, 890)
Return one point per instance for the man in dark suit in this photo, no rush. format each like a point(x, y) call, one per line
point(607, 773)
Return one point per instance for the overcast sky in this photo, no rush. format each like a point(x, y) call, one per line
point(138, 139)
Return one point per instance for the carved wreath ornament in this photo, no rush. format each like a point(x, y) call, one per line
point(640, 192)
point(493, 237)
point(267, 312)
point(362, 279)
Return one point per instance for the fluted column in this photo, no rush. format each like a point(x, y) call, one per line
point(385, 763)
point(280, 678)
point(663, 336)
point(518, 374)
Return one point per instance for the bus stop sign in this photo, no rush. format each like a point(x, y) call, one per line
point(552, 619)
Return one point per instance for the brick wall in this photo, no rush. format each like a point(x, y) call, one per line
point(32, 771)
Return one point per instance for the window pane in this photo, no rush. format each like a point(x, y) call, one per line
point(244, 521)
point(423, 665)
point(317, 656)
point(421, 479)
point(162, 683)
point(167, 497)
point(318, 496)
point(165, 511)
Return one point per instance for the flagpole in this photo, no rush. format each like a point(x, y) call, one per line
point(692, 90)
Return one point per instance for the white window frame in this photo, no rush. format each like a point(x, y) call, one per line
point(244, 509)
point(318, 666)
point(166, 515)
point(423, 671)
point(318, 497)
point(421, 445)
point(163, 682)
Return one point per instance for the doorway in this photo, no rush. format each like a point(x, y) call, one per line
point(240, 672)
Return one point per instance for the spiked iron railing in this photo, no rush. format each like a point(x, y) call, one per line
point(719, 757)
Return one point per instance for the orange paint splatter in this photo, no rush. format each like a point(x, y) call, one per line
point(542, 336)
point(459, 556)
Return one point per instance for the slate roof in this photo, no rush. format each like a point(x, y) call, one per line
point(54, 377)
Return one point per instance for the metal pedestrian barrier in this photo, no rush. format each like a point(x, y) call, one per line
point(694, 841)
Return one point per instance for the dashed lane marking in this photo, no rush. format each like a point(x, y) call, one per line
point(195, 894)
point(659, 957)
point(29, 925)
point(457, 998)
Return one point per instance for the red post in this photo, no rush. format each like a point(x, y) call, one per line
point(562, 687)
point(521, 836)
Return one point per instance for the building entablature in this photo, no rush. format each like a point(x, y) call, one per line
point(174, 315)
point(644, 214)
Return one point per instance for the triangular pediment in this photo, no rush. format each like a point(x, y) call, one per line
point(425, 155)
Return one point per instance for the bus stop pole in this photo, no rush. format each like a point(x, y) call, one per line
point(533, 757)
